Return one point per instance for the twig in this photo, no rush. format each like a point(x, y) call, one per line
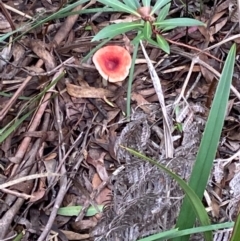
point(27, 178)
point(197, 60)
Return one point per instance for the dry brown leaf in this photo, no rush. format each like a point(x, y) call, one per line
point(217, 27)
point(104, 195)
point(87, 92)
point(37, 195)
point(40, 49)
point(208, 75)
point(141, 102)
point(40, 192)
point(75, 236)
point(5, 27)
point(84, 224)
point(99, 165)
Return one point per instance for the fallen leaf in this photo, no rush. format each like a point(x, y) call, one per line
point(87, 92)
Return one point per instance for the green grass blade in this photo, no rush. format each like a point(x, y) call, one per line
point(14, 125)
point(146, 3)
point(163, 44)
point(194, 200)
point(159, 4)
point(147, 30)
point(11, 126)
point(85, 11)
point(236, 230)
point(130, 80)
point(95, 49)
point(119, 6)
point(115, 29)
point(176, 233)
point(178, 22)
point(209, 143)
point(134, 4)
point(75, 210)
point(38, 22)
point(164, 12)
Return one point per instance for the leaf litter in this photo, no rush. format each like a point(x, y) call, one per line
point(78, 123)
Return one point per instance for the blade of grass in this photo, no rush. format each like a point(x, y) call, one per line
point(194, 200)
point(116, 29)
point(14, 126)
point(176, 233)
point(95, 49)
point(38, 22)
point(75, 210)
point(146, 3)
point(121, 7)
point(164, 12)
point(130, 80)
point(134, 4)
point(158, 5)
point(236, 230)
point(11, 126)
point(209, 143)
point(178, 22)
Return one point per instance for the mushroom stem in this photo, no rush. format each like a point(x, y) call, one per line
point(104, 82)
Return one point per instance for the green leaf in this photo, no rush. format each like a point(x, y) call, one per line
point(196, 203)
point(165, 48)
point(146, 3)
point(121, 7)
point(158, 5)
point(173, 233)
point(164, 12)
point(147, 30)
point(137, 39)
point(75, 210)
point(163, 44)
point(13, 125)
point(236, 230)
point(134, 4)
point(178, 22)
point(130, 79)
point(115, 29)
point(209, 143)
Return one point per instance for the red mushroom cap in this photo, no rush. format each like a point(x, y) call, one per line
point(113, 63)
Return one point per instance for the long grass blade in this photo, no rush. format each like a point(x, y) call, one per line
point(194, 200)
point(209, 143)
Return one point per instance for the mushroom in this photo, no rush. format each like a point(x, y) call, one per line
point(113, 63)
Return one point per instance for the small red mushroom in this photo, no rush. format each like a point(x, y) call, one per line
point(113, 63)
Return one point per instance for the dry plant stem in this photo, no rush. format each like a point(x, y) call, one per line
point(193, 48)
point(28, 167)
point(57, 204)
point(168, 142)
point(7, 15)
point(186, 81)
point(17, 94)
point(197, 60)
point(62, 191)
point(67, 26)
point(193, 86)
point(26, 178)
point(53, 71)
point(8, 217)
point(238, 10)
point(17, 11)
point(16, 194)
point(35, 123)
point(220, 43)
